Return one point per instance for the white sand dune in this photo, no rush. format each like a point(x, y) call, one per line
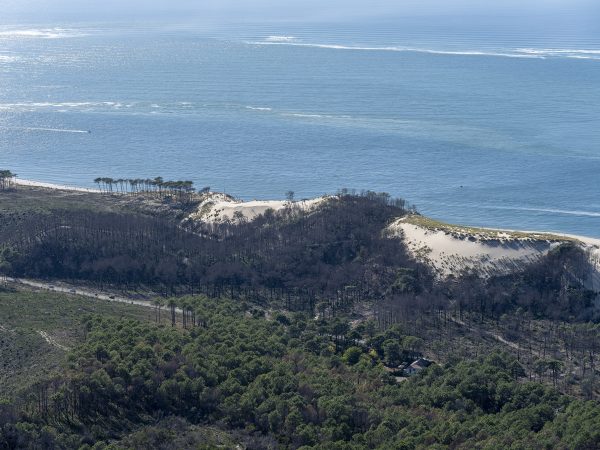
point(499, 251)
point(220, 208)
point(592, 247)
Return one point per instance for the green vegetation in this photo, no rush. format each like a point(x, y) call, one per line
point(484, 234)
point(181, 190)
point(36, 329)
point(294, 330)
point(18, 206)
point(266, 384)
point(27, 199)
point(6, 179)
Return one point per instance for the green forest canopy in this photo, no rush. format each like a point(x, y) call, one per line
point(281, 384)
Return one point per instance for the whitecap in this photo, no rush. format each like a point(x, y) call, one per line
point(308, 116)
point(561, 53)
point(34, 106)
point(8, 59)
point(280, 38)
point(593, 58)
point(39, 33)
point(259, 108)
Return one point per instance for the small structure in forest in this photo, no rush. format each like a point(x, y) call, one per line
point(417, 366)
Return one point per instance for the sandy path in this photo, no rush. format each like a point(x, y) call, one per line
point(83, 292)
point(50, 340)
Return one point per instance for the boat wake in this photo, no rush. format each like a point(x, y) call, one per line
point(49, 130)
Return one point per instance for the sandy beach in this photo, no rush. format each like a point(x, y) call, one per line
point(58, 187)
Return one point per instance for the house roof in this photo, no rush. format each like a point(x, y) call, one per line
point(420, 363)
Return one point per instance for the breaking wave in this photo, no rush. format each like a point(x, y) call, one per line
point(259, 108)
point(39, 33)
point(280, 38)
point(567, 212)
point(7, 59)
point(398, 49)
point(561, 53)
point(530, 53)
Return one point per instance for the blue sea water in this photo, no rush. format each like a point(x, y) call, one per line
point(489, 125)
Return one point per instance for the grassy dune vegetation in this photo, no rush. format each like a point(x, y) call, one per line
point(484, 234)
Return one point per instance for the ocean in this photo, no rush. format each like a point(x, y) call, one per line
point(490, 124)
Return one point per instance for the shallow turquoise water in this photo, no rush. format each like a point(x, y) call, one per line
point(488, 125)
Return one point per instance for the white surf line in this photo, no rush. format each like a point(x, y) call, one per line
point(259, 108)
point(402, 49)
point(280, 38)
point(52, 130)
point(40, 33)
point(58, 187)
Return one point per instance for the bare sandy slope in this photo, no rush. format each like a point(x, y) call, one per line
point(220, 208)
point(454, 249)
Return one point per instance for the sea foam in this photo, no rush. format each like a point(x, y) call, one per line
point(561, 53)
point(280, 38)
point(529, 53)
point(399, 49)
point(259, 108)
point(39, 33)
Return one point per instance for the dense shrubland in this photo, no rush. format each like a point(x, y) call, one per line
point(283, 383)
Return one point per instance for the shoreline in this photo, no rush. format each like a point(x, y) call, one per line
point(588, 240)
point(57, 187)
